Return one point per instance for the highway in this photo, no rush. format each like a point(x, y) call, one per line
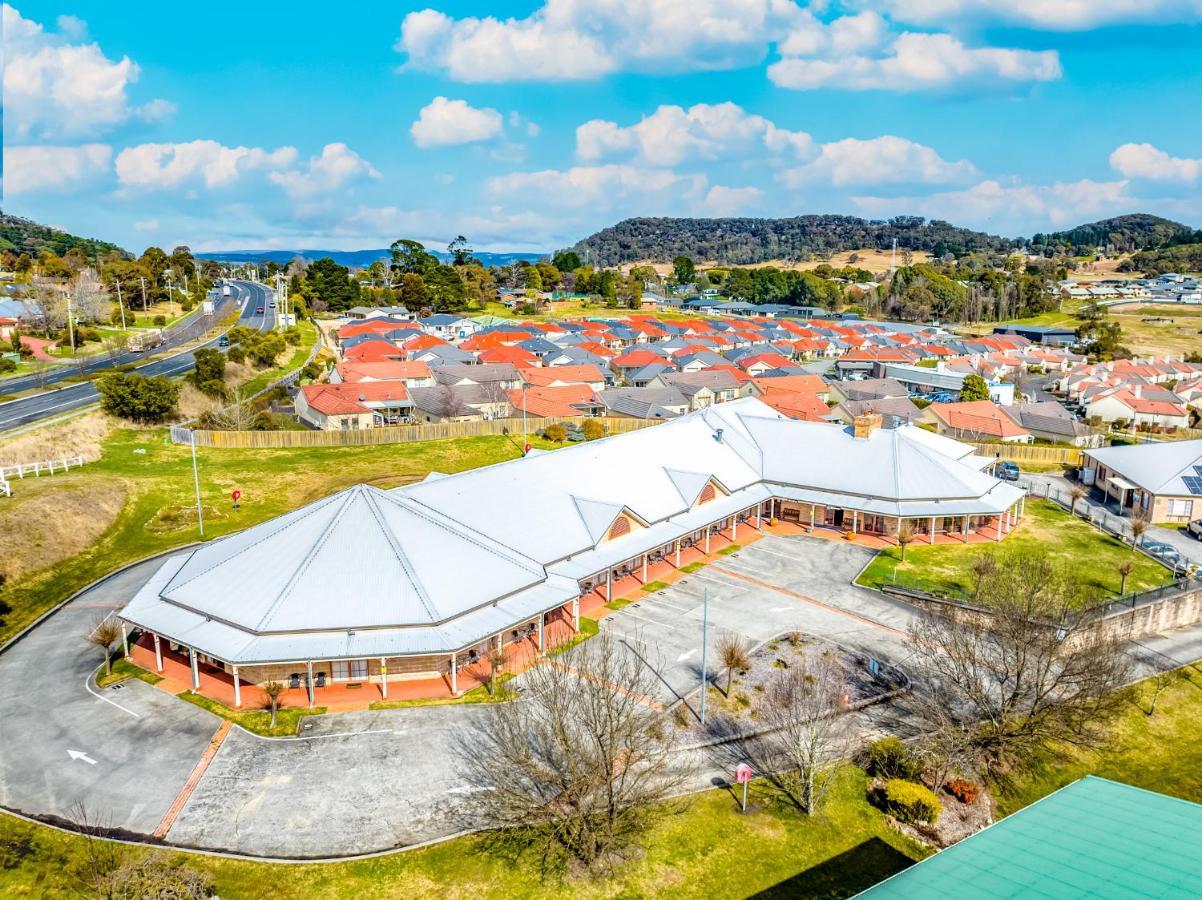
point(27, 410)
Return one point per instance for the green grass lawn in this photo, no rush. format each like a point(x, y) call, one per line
point(158, 510)
point(287, 718)
point(588, 628)
point(123, 670)
point(1095, 556)
point(709, 850)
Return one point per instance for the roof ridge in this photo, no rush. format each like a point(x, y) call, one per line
point(403, 559)
point(307, 559)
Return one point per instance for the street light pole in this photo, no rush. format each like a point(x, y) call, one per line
point(200, 516)
point(121, 305)
point(70, 325)
point(705, 612)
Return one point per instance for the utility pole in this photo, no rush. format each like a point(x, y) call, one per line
point(145, 305)
point(70, 325)
point(705, 613)
point(121, 305)
point(200, 516)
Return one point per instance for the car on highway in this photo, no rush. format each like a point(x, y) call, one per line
point(1194, 529)
point(223, 341)
point(1166, 553)
point(1007, 471)
point(259, 310)
point(272, 304)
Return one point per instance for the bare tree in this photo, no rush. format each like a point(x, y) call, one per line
point(1125, 569)
point(1024, 673)
point(40, 370)
point(104, 633)
point(496, 666)
point(273, 689)
point(114, 346)
point(88, 296)
point(1075, 493)
point(732, 651)
point(810, 736)
point(984, 565)
point(1159, 683)
point(1139, 524)
point(577, 772)
point(905, 536)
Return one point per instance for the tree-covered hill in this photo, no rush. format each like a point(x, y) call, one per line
point(744, 241)
point(1121, 234)
point(23, 236)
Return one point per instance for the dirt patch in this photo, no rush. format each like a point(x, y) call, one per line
point(80, 436)
point(53, 518)
point(956, 822)
point(181, 518)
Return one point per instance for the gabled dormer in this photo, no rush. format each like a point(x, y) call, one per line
point(606, 521)
point(696, 488)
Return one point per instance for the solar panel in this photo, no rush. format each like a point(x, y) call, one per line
point(1198, 469)
point(1193, 484)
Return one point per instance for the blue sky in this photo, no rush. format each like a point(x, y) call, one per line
point(529, 125)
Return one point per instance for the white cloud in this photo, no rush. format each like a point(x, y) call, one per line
point(581, 39)
point(55, 89)
point(673, 134)
point(917, 61)
point(1066, 15)
point(727, 201)
point(444, 122)
point(40, 168)
point(170, 165)
point(590, 186)
point(145, 225)
point(1010, 208)
point(337, 166)
point(1147, 161)
point(883, 160)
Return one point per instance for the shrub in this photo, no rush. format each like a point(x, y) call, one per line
point(909, 802)
point(7, 365)
point(159, 320)
point(555, 433)
point(311, 371)
point(137, 397)
point(236, 355)
point(964, 790)
point(592, 429)
point(889, 758)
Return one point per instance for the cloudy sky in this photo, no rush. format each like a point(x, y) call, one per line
point(528, 125)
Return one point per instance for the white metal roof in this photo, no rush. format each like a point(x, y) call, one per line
point(444, 563)
point(1157, 468)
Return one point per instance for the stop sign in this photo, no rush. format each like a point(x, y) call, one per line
point(236, 495)
point(743, 773)
point(527, 450)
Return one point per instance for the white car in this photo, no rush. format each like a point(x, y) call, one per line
point(1194, 529)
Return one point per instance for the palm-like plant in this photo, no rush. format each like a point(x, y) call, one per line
point(733, 653)
point(905, 536)
point(1139, 525)
point(273, 689)
point(1125, 569)
point(1076, 493)
point(104, 634)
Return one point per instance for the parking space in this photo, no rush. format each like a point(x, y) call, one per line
point(768, 588)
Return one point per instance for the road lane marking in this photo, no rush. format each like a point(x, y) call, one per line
point(198, 771)
point(80, 755)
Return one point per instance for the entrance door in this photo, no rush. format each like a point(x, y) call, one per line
point(837, 518)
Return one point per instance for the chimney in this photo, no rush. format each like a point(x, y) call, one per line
point(1139, 391)
point(866, 423)
point(718, 435)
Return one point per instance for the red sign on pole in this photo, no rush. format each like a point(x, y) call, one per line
point(743, 773)
point(236, 495)
point(527, 450)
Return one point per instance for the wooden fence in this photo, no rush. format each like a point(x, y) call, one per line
point(1033, 453)
point(390, 434)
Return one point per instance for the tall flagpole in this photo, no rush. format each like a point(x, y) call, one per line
point(705, 612)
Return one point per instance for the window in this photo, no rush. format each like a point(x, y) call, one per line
point(350, 670)
point(1181, 508)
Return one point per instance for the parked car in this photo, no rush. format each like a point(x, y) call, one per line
point(1166, 553)
point(1194, 529)
point(1008, 471)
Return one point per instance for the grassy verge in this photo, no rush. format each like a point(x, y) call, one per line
point(155, 478)
point(300, 353)
point(692, 567)
point(287, 719)
point(1159, 752)
point(618, 603)
point(123, 670)
point(588, 628)
point(709, 850)
point(1046, 528)
point(729, 549)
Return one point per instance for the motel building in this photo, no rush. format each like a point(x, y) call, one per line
point(405, 593)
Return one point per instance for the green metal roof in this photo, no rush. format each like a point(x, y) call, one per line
point(1093, 838)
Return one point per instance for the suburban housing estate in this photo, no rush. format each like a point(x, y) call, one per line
point(414, 583)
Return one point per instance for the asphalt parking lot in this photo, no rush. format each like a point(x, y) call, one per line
point(775, 585)
point(123, 754)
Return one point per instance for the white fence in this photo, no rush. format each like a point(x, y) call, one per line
point(38, 469)
point(5, 487)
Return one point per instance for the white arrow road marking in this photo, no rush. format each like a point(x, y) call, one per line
point(79, 754)
point(685, 656)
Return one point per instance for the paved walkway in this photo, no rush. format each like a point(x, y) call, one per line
point(133, 757)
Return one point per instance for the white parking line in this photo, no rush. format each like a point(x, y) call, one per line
point(88, 686)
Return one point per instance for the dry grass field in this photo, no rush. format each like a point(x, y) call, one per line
point(875, 261)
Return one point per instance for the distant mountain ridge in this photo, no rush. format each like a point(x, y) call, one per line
point(353, 258)
point(743, 241)
point(25, 236)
